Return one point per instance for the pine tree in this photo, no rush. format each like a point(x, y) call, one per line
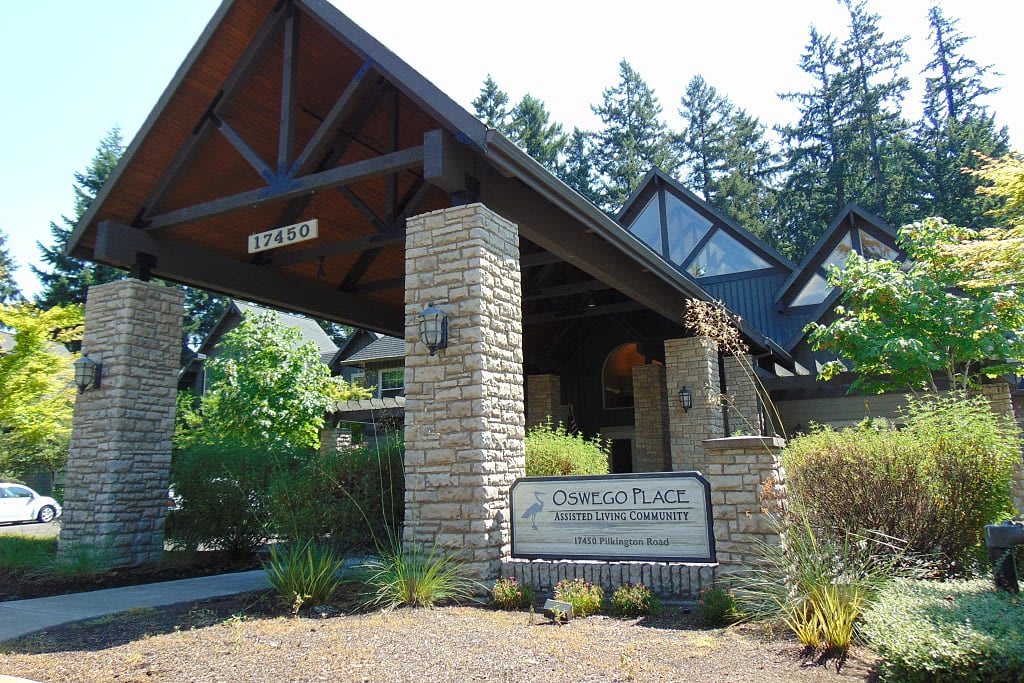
point(578, 172)
point(491, 105)
point(702, 143)
point(955, 125)
point(530, 128)
point(9, 292)
point(633, 138)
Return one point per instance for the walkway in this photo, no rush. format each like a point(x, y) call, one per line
point(19, 617)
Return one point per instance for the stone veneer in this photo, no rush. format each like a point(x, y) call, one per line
point(464, 441)
point(119, 463)
point(742, 399)
point(543, 399)
point(334, 439)
point(746, 479)
point(998, 396)
point(650, 413)
point(693, 363)
point(672, 580)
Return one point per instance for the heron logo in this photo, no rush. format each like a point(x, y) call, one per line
point(534, 510)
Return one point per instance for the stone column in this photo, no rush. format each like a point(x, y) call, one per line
point(742, 399)
point(118, 468)
point(693, 363)
point(998, 396)
point(650, 417)
point(464, 442)
point(543, 399)
point(334, 439)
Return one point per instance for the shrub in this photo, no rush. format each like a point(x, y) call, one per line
point(551, 451)
point(716, 607)
point(415, 579)
point(223, 491)
point(634, 600)
point(354, 494)
point(26, 552)
point(934, 484)
point(585, 598)
point(303, 574)
point(949, 631)
point(508, 594)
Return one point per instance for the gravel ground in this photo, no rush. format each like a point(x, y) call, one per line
point(237, 639)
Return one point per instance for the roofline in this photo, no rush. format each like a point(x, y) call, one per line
point(363, 361)
point(508, 157)
point(154, 114)
point(826, 237)
point(220, 321)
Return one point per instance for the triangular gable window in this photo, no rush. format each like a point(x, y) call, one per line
point(723, 255)
point(686, 227)
point(872, 247)
point(840, 254)
point(814, 292)
point(647, 226)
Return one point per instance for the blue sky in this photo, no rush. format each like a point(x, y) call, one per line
point(73, 69)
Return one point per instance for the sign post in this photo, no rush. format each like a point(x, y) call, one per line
point(656, 517)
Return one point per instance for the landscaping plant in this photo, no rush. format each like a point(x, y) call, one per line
point(509, 594)
point(415, 579)
point(586, 598)
point(304, 574)
point(716, 607)
point(551, 451)
point(634, 600)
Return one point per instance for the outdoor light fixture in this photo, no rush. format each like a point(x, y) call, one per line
point(434, 328)
point(87, 373)
point(686, 398)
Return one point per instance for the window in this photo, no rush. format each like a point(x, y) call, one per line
point(392, 382)
point(647, 225)
point(18, 492)
point(874, 248)
point(617, 376)
point(724, 254)
point(814, 292)
point(840, 254)
point(686, 227)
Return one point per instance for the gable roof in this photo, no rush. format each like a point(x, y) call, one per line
point(309, 329)
point(384, 348)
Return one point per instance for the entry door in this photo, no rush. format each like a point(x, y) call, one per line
point(623, 441)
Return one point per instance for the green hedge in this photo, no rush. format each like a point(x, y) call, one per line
point(929, 631)
point(551, 451)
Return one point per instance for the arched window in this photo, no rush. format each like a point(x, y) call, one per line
point(617, 376)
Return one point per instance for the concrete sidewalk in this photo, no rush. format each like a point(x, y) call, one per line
point(19, 617)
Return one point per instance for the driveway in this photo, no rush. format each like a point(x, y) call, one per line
point(49, 530)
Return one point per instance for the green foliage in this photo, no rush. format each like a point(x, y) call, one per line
point(717, 607)
point(551, 451)
point(267, 390)
point(38, 556)
point(634, 600)
point(491, 105)
point(416, 579)
point(585, 598)
point(826, 616)
point(20, 553)
point(356, 495)
point(36, 387)
point(9, 292)
point(933, 484)
point(304, 574)
point(578, 169)
point(223, 489)
point(531, 129)
point(900, 324)
point(508, 594)
point(947, 631)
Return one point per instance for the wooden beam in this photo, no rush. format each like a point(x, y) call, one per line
point(380, 286)
point(347, 247)
point(540, 258)
point(121, 246)
point(286, 131)
point(566, 290)
point(591, 312)
point(362, 208)
point(247, 152)
point(446, 163)
point(342, 175)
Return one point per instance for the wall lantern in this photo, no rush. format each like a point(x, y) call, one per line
point(434, 328)
point(87, 373)
point(686, 399)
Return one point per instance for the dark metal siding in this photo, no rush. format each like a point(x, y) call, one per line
point(753, 299)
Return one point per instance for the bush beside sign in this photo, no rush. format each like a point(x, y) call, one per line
point(654, 517)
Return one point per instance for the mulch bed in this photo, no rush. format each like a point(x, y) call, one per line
point(20, 585)
point(249, 638)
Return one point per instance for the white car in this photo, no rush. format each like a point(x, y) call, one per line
point(19, 503)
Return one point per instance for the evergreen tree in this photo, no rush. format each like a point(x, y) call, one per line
point(955, 125)
point(529, 128)
point(702, 142)
point(9, 292)
point(578, 172)
point(491, 105)
point(633, 138)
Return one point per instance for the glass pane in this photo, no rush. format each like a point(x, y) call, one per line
point(392, 378)
point(874, 248)
point(618, 376)
point(724, 254)
point(686, 227)
point(840, 253)
point(647, 226)
point(814, 292)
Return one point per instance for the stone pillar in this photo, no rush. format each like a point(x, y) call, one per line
point(742, 401)
point(464, 441)
point(543, 399)
point(650, 416)
point(118, 468)
point(334, 439)
point(693, 363)
point(998, 396)
point(747, 483)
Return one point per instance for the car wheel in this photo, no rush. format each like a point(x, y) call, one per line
point(47, 514)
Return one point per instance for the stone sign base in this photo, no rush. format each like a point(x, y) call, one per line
point(681, 581)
